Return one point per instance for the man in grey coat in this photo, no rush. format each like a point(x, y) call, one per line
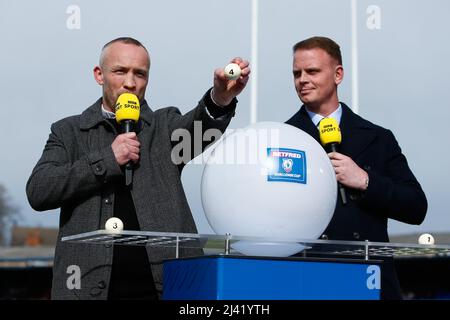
point(81, 172)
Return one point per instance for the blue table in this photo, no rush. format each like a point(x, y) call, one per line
point(256, 278)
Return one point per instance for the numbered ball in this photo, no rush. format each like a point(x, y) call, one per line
point(426, 238)
point(114, 225)
point(232, 71)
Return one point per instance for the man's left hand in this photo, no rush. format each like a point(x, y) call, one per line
point(224, 89)
point(348, 173)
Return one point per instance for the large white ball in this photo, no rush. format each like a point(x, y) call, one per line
point(269, 180)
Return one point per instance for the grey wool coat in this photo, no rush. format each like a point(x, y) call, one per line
point(77, 173)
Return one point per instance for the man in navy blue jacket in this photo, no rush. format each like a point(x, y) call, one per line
point(370, 165)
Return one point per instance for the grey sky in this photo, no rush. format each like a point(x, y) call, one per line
point(403, 75)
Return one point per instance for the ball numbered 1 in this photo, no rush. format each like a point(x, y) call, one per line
point(426, 238)
point(114, 225)
point(232, 71)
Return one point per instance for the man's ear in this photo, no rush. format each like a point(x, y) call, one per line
point(338, 74)
point(98, 75)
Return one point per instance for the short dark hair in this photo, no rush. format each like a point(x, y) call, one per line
point(326, 44)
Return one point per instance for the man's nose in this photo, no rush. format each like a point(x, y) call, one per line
point(129, 82)
point(303, 78)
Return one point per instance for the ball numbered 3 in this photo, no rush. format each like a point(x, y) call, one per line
point(114, 225)
point(232, 71)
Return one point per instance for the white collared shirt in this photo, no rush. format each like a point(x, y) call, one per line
point(316, 118)
point(108, 114)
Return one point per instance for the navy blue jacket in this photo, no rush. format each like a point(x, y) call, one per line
point(393, 191)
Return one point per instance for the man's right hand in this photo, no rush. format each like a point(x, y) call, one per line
point(125, 148)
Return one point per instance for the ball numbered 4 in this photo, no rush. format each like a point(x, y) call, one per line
point(426, 238)
point(232, 71)
point(114, 225)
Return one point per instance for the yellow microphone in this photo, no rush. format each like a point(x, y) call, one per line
point(330, 137)
point(127, 114)
point(330, 133)
point(127, 108)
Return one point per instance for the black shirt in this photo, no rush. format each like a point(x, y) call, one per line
point(131, 275)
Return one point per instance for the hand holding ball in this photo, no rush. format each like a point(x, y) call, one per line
point(232, 71)
point(114, 225)
point(426, 238)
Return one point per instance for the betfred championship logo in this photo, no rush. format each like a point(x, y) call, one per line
point(288, 165)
